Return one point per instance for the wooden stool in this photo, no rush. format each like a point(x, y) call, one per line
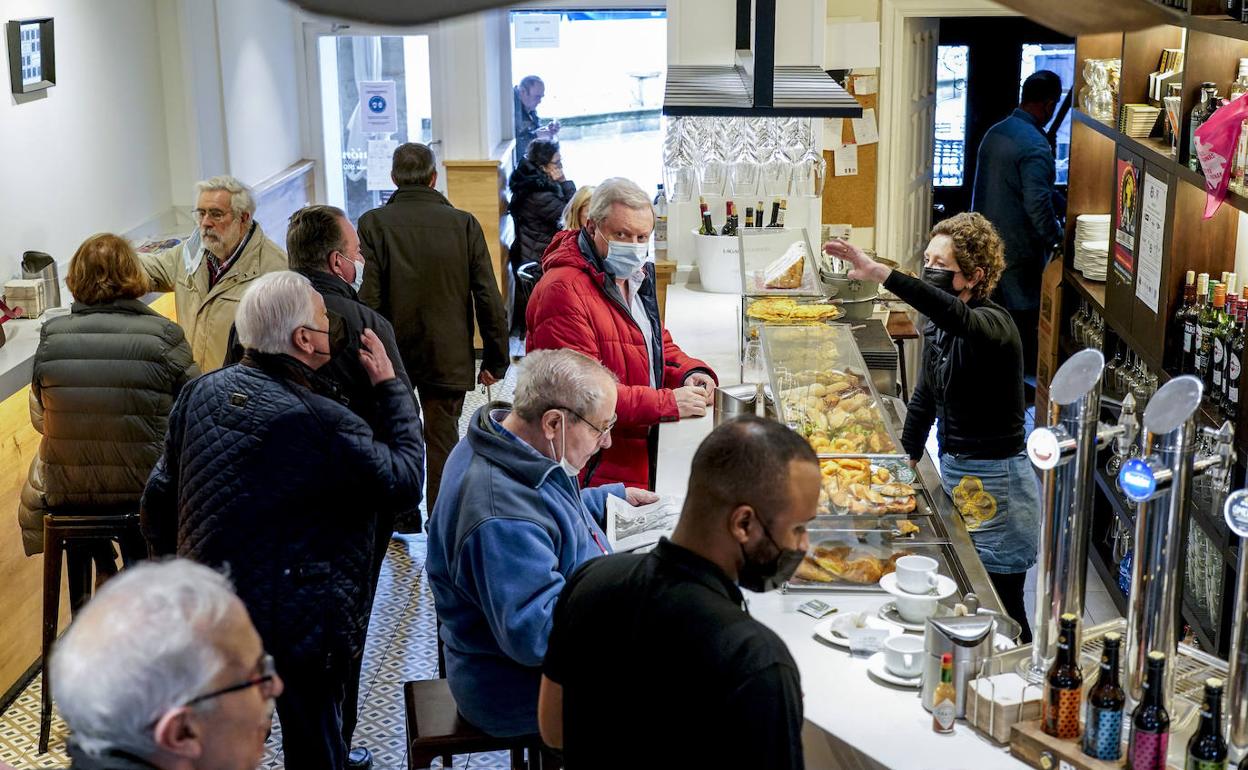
point(435, 729)
point(60, 531)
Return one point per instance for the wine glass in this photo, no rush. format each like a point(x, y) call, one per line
point(1111, 368)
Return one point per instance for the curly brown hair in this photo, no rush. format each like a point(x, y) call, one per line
point(105, 268)
point(976, 245)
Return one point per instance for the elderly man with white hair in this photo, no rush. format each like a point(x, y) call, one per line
point(163, 669)
point(597, 295)
point(512, 524)
point(282, 484)
point(209, 273)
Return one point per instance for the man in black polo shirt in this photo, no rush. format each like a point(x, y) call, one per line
point(653, 660)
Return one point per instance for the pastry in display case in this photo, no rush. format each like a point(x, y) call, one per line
point(859, 487)
point(778, 262)
point(845, 560)
point(823, 392)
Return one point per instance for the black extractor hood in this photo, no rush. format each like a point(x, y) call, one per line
point(754, 86)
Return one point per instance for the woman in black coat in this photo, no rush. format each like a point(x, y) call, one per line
point(539, 195)
point(105, 378)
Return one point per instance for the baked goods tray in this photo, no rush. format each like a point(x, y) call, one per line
point(823, 391)
point(760, 249)
point(840, 562)
point(901, 531)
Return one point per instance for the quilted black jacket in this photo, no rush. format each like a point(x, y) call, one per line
point(105, 378)
point(281, 485)
point(537, 203)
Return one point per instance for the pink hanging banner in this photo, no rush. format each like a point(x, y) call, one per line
point(1215, 147)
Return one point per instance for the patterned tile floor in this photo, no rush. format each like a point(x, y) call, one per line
point(401, 646)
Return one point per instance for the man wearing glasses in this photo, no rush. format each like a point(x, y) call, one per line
point(163, 669)
point(511, 525)
point(209, 273)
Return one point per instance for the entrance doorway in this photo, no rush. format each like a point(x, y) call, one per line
point(603, 73)
point(981, 65)
point(373, 92)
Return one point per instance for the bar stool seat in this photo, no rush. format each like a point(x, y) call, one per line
point(435, 729)
point(61, 530)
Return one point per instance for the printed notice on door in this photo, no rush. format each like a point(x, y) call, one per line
point(1152, 235)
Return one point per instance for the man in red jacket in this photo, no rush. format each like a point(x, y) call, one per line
point(597, 296)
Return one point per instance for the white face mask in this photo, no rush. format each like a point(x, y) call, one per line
point(568, 468)
point(624, 259)
point(359, 276)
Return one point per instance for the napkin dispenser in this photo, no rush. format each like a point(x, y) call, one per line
point(968, 638)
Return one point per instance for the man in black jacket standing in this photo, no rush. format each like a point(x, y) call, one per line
point(263, 473)
point(324, 248)
point(430, 273)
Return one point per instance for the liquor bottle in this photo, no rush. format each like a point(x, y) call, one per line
point(775, 214)
point(749, 217)
point(784, 205)
point(945, 699)
point(660, 225)
point(1191, 325)
point(1063, 687)
point(1102, 724)
point(1204, 332)
point(758, 215)
point(1217, 367)
point(1235, 361)
point(1239, 86)
point(1207, 750)
point(707, 227)
point(1234, 8)
point(1184, 328)
point(730, 220)
point(1200, 113)
point(1150, 724)
point(1227, 338)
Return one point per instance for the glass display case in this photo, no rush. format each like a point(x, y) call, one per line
point(778, 262)
point(823, 391)
point(844, 560)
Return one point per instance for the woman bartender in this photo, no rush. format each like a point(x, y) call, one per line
point(971, 385)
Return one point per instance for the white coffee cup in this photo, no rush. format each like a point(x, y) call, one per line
point(916, 574)
point(903, 655)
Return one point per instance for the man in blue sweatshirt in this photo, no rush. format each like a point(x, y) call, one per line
point(511, 524)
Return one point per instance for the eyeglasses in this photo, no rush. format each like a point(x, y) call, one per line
point(602, 432)
point(267, 673)
point(212, 215)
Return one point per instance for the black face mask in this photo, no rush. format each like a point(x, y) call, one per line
point(771, 573)
point(940, 278)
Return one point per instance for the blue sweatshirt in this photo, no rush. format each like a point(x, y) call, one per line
point(508, 529)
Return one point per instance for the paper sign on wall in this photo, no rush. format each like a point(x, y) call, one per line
point(846, 157)
point(1152, 233)
point(865, 129)
point(866, 84)
point(379, 107)
point(852, 44)
point(537, 30)
point(380, 157)
point(833, 130)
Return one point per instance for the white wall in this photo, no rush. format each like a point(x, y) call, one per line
point(260, 77)
point(90, 154)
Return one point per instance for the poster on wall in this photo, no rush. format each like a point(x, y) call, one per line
point(537, 30)
point(1152, 236)
point(379, 107)
point(1126, 214)
point(32, 57)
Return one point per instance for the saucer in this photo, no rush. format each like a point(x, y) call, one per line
point(945, 587)
point(824, 630)
point(877, 669)
point(889, 613)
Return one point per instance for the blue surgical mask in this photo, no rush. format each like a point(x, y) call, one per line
point(624, 259)
point(358, 283)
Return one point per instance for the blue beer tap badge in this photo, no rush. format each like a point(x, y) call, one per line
point(1137, 480)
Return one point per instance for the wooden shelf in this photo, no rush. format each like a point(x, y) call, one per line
point(1200, 621)
point(1090, 290)
point(1220, 24)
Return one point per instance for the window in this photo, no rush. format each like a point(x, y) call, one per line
point(1059, 58)
point(950, 155)
point(603, 73)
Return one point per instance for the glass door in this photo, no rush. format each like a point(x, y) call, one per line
point(375, 92)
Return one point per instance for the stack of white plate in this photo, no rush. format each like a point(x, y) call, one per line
point(1092, 245)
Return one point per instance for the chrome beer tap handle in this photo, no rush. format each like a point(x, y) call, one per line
point(1130, 426)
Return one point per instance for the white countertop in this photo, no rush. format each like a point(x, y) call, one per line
point(885, 723)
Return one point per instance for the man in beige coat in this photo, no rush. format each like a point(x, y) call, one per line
point(209, 273)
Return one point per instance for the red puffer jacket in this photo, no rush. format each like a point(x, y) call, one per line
point(576, 305)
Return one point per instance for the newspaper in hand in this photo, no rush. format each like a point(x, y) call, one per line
point(629, 528)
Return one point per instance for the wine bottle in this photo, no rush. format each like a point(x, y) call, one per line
point(1204, 333)
point(749, 217)
point(1150, 724)
point(1200, 113)
point(945, 699)
point(707, 227)
point(758, 215)
point(660, 225)
point(784, 205)
point(1191, 365)
point(730, 220)
point(1063, 687)
point(775, 214)
point(1185, 327)
point(1102, 725)
point(1207, 750)
point(1217, 367)
point(1235, 361)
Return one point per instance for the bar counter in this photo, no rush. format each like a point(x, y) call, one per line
point(852, 720)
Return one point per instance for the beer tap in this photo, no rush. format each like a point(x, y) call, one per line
point(1065, 453)
point(1235, 511)
point(1160, 483)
